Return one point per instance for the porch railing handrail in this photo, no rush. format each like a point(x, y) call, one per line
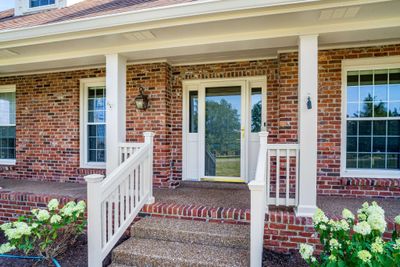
point(115, 201)
point(286, 158)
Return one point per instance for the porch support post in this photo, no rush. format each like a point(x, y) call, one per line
point(307, 133)
point(116, 108)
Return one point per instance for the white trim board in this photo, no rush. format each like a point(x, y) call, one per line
point(10, 88)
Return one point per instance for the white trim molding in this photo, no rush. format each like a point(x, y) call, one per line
point(12, 88)
point(364, 64)
point(83, 110)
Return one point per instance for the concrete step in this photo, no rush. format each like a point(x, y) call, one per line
point(151, 253)
point(193, 232)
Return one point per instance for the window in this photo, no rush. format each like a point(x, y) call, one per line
point(256, 109)
point(39, 3)
point(7, 124)
point(93, 124)
point(193, 111)
point(373, 121)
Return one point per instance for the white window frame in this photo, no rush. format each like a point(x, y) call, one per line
point(360, 65)
point(8, 89)
point(26, 6)
point(84, 85)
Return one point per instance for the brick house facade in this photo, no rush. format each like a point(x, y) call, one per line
point(47, 117)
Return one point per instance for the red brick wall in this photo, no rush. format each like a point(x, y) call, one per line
point(48, 117)
point(47, 126)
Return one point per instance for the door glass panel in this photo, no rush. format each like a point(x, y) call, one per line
point(193, 111)
point(222, 131)
point(256, 110)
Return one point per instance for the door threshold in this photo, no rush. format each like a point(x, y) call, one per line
point(225, 180)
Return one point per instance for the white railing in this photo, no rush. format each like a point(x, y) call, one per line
point(282, 174)
point(276, 183)
point(115, 201)
point(128, 149)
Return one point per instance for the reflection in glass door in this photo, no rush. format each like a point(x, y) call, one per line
point(223, 131)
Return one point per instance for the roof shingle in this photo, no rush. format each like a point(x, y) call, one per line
point(84, 9)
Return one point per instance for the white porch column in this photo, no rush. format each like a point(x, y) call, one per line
point(116, 108)
point(307, 134)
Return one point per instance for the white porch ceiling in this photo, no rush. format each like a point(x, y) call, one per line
point(232, 39)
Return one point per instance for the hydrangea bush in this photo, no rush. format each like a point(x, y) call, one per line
point(46, 232)
point(354, 240)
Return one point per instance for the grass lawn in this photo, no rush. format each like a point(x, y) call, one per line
point(229, 167)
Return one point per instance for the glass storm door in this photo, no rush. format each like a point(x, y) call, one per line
point(223, 131)
point(221, 123)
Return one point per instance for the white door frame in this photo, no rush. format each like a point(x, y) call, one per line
point(197, 139)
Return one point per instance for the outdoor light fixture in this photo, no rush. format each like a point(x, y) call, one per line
point(309, 104)
point(142, 101)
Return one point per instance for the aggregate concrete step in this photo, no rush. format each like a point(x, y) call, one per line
point(194, 232)
point(137, 252)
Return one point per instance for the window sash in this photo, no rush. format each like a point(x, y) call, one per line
point(7, 126)
point(370, 156)
point(41, 3)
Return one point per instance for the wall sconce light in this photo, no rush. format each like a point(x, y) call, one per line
point(309, 104)
point(142, 101)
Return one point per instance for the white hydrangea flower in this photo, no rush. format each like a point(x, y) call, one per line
point(35, 211)
point(55, 219)
point(68, 209)
point(306, 251)
point(5, 248)
point(362, 217)
point(397, 219)
point(375, 209)
point(18, 230)
point(344, 225)
point(5, 226)
point(334, 244)
point(364, 255)
point(377, 246)
point(362, 228)
point(319, 217)
point(35, 225)
point(53, 204)
point(377, 222)
point(43, 215)
point(322, 227)
point(347, 215)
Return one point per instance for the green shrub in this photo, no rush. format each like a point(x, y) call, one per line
point(353, 241)
point(46, 232)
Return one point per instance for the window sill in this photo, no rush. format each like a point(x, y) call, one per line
point(9, 162)
point(93, 166)
point(383, 174)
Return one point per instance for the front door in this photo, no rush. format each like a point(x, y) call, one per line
point(221, 122)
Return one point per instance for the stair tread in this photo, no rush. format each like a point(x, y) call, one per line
point(219, 229)
point(151, 252)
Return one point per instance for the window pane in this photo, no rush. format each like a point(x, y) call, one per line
point(352, 110)
point(379, 144)
point(365, 127)
point(7, 142)
point(380, 109)
point(364, 144)
point(38, 3)
point(394, 109)
point(364, 160)
point(366, 109)
point(394, 127)
point(351, 144)
point(352, 128)
point(378, 161)
point(7, 108)
point(351, 160)
point(393, 161)
point(352, 78)
point(394, 144)
point(379, 127)
point(256, 110)
point(193, 111)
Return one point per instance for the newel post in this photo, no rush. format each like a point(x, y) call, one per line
point(94, 219)
point(258, 204)
point(149, 139)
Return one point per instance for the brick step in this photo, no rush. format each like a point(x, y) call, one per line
point(193, 232)
point(151, 252)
